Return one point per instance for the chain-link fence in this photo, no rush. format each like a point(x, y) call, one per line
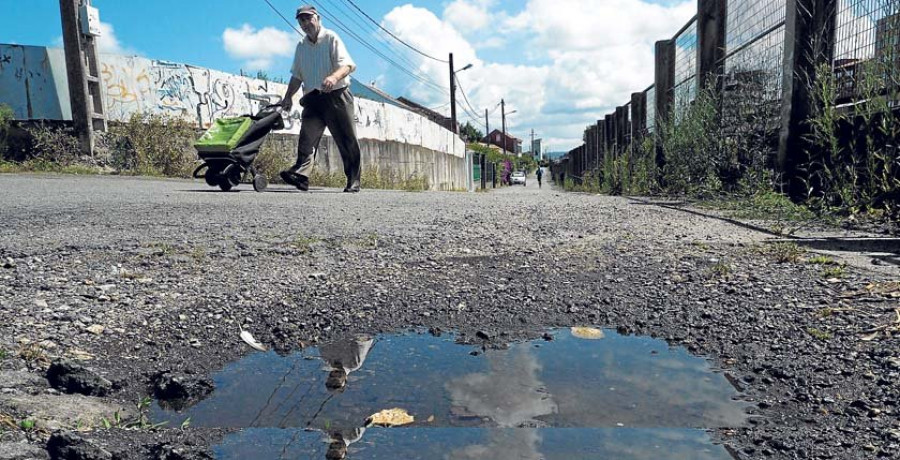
point(651, 109)
point(761, 128)
point(754, 67)
point(867, 37)
point(685, 89)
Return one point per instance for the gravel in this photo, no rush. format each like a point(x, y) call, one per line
point(134, 278)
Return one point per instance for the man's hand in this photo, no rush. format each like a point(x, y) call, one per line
point(286, 104)
point(328, 83)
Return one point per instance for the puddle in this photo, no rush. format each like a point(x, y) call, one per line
point(620, 397)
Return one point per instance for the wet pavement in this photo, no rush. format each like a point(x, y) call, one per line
point(568, 397)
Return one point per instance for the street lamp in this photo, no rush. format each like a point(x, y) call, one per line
point(453, 73)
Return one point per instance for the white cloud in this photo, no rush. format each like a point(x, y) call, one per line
point(107, 42)
point(588, 55)
point(258, 48)
point(468, 15)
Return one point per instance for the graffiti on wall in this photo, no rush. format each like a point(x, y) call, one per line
point(139, 85)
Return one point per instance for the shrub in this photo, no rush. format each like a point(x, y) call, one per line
point(854, 165)
point(274, 158)
point(154, 145)
point(55, 145)
point(6, 118)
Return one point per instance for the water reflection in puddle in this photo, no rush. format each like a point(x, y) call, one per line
point(620, 397)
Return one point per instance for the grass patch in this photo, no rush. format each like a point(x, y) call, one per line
point(198, 254)
point(700, 245)
point(721, 269)
point(821, 260)
point(784, 252)
point(304, 243)
point(834, 271)
point(34, 356)
point(140, 422)
point(162, 249)
point(48, 167)
point(3, 354)
point(770, 206)
point(818, 334)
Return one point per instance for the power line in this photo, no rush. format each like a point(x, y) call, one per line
point(343, 27)
point(365, 26)
point(340, 25)
point(289, 23)
point(466, 98)
point(392, 35)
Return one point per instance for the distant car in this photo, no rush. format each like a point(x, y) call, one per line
point(517, 177)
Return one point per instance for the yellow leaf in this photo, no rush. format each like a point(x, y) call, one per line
point(390, 417)
point(587, 333)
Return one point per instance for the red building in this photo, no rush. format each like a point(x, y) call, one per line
point(512, 144)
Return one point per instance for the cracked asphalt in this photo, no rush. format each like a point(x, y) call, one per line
point(133, 276)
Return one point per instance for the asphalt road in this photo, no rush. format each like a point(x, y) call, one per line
point(135, 276)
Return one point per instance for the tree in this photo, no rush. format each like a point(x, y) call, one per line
point(470, 133)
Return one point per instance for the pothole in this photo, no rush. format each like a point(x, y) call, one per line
point(583, 394)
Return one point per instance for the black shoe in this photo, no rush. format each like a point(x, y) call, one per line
point(352, 187)
point(297, 180)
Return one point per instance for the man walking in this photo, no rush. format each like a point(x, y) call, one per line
point(322, 66)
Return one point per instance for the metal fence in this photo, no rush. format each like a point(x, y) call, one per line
point(754, 66)
point(751, 73)
point(685, 89)
point(867, 36)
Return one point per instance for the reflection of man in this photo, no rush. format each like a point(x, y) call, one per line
point(340, 440)
point(344, 357)
point(322, 66)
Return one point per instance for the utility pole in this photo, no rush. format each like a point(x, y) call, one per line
point(453, 126)
point(503, 118)
point(487, 124)
point(81, 26)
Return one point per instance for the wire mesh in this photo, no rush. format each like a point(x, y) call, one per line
point(685, 89)
point(867, 40)
point(754, 66)
point(651, 109)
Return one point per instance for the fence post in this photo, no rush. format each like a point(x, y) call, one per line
point(621, 127)
point(808, 43)
point(638, 117)
point(712, 16)
point(601, 142)
point(610, 135)
point(665, 82)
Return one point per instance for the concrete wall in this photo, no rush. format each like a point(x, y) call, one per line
point(33, 81)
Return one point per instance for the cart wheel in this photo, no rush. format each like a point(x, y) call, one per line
point(224, 183)
point(211, 178)
point(260, 183)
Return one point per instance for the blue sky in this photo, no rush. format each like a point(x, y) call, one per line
point(559, 64)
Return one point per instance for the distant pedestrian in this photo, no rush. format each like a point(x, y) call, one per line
point(540, 175)
point(322, 66)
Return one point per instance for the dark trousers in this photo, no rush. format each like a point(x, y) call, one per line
point(335, 111)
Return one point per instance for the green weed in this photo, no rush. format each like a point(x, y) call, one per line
point(721, 269)
point(152, 145)
point(834, 271)
point(304, 243)
point(818, 334)
point(784, 252)
point(820, 260)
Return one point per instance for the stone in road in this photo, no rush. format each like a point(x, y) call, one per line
point(136, 277)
